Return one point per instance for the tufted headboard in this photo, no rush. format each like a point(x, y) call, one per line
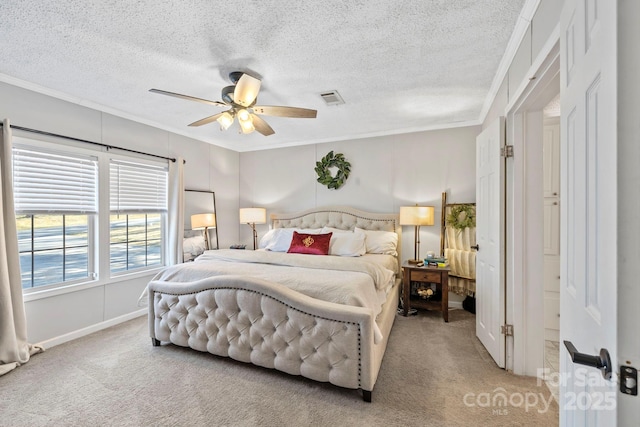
point(342, 217)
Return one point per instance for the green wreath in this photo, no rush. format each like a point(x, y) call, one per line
point(462, 216)
point(324, 174)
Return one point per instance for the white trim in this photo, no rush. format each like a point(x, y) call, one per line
point(93, 328)
point(363, 135)
point(522, 25)
point(515, 255)
point(33, 294)
point(518, 302)
point(95, 106)
point(539, 66)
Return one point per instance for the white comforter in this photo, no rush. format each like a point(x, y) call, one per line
point(357, 281)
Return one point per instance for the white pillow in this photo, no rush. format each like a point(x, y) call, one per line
point(345, 242)
point(281, 239)
point(308, 230)
point(380, 242)
point(192, 247)
point(268, 238)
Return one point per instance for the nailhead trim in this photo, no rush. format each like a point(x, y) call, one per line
point(259, 293)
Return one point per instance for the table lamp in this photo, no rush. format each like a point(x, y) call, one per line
point(251, 217)
point(204, 221)
point(416, 216)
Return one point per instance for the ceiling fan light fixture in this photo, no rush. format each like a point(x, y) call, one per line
point(246, 90)
point(225, 120)
point(240, 102)
point(247, 127)
point(243, 115)
point(246, 121)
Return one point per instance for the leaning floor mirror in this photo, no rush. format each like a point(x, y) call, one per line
point(200, 225)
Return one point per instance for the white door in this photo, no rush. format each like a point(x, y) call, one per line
point(490, 238)
point(588, 287)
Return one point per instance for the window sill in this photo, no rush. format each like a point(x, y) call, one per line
point(37, 294)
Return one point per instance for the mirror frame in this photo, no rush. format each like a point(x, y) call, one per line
point(213, 197)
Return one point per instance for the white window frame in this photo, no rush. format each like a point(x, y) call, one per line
point(163, 217)
point(98, 227)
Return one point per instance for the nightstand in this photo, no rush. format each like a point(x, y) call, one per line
point(437, 275)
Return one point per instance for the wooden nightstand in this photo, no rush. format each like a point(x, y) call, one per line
point(437, 275)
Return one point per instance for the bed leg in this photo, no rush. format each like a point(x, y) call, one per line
point(155, 342)
point(366, 395)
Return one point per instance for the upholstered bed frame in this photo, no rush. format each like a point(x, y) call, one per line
point(270, 325)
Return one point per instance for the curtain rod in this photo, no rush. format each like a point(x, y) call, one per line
point(108, 147)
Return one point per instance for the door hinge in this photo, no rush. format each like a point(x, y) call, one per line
point(506, 330)
point(506, 151)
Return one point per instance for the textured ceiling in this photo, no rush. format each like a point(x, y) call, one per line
point(399, 65)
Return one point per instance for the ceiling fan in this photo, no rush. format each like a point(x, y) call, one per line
point(241, 97)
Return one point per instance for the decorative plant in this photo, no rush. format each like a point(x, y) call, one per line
point(462, 216)
point(323, 169)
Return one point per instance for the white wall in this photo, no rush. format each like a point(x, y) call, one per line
point(59, 315)
point(386, 173)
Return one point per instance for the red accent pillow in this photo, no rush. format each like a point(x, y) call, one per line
point(313, 244)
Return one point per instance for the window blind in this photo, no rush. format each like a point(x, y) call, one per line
point(137, 187)
point(49, 182)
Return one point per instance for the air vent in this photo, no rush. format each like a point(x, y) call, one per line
point(332, 97)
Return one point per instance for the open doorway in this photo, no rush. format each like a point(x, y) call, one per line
point(536, 238)
point(533, 222)
point(530, 199)
point(551, 235)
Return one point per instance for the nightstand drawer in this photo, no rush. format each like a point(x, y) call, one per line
point(425, 276)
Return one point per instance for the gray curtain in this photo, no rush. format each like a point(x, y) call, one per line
point(176, 211)
point(14, 349)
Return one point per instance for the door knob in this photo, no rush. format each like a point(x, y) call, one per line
point(602, 361)
point(476, 247)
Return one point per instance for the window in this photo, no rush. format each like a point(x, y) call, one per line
point(55, 197)
point(60, 210)
point(138, 203)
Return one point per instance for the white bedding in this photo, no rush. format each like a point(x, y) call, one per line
point(361, 281)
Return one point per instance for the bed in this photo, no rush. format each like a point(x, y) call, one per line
point(272, 309)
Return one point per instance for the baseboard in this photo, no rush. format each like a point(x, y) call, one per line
point(455, 304)
point(93, 328)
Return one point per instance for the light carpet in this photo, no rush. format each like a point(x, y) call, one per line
point(433, 374)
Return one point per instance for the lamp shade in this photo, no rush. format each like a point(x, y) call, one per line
point(246, 121)
point(225, 120)
point(253, 215)
point(417, 215)
point(200, 221)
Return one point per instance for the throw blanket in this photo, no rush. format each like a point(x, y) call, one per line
point(462, 260)
point(343, 280)
point(380, 275)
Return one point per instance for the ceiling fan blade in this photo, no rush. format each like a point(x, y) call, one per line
point(207, 120)
point(262, 126)
point(246, 90)
point(272, 110)
point(187, 97)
